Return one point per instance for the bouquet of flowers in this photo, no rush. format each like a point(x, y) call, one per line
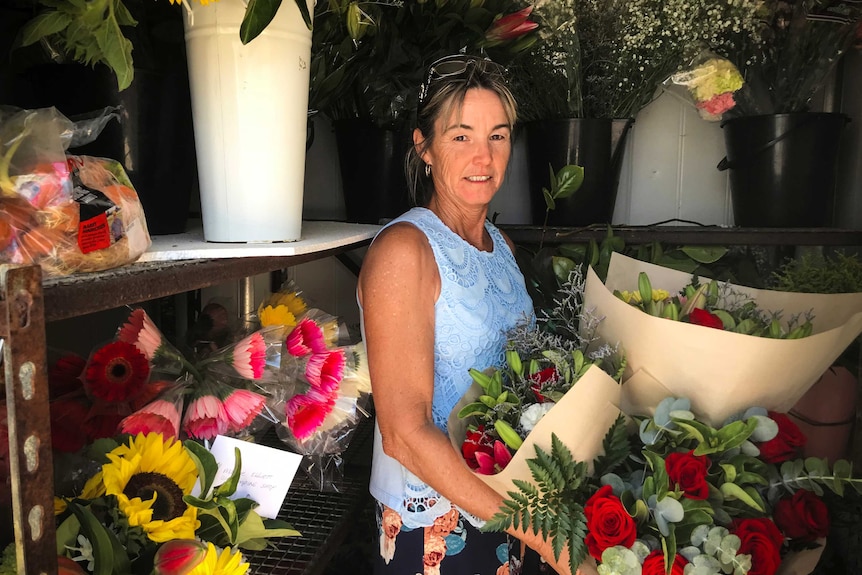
point(724, 363)
point(653, 480)
point(139, 513)
point(512, 406)
point(667, 491)
point(711, 83)
point(321, 396)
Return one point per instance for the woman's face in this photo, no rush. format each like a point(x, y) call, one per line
point(471, 149)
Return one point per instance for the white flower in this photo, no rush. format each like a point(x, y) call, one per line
point(86, 552)
point(531, 416)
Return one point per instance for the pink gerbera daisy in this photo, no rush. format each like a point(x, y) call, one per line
point(140, 331)
point(305, 413)
point(307, 337)
point(249, 356)
point(242, 406)
point(205, 417)
point(326, 370)
point(159, 416)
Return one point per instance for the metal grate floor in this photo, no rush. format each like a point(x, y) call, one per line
point(324, 518)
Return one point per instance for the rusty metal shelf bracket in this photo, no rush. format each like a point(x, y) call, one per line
point(22, 328)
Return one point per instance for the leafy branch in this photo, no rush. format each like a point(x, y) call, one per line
point(550, 507)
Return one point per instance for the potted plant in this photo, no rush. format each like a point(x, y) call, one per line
point(92, 32)
point(596, 65)
point(367, 66)
point(782, 152)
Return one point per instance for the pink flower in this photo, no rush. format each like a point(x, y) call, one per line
point(510, 27)
point(159, 416)
point(305, 338)
point(242, 406)
point(249, 356)
point(178, 556)
point(489, 465)
point(718, 105)
point(306, 412)
point(326, 370)
point(140, 331)
point(205, 417)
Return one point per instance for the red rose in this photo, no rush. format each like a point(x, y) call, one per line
point(475, 441)
point(803, 517)
point(539, 379)
point(699, 316)
point(786, 444)
point(762, 540)
point(654, 564)
point(608, 522)
point(688, 471)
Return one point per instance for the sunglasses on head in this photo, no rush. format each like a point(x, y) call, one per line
point(455, 66)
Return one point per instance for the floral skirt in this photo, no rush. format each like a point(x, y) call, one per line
point(452, 546)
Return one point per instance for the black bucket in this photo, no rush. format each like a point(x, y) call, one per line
point(372, 170)
point(783, 168)
point(597, 145)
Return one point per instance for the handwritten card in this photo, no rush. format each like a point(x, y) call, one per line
point(266, 472)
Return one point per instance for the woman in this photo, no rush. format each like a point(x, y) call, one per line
point(438, 290)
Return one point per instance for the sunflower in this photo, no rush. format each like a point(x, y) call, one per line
point(149, 477)
point(226, 562)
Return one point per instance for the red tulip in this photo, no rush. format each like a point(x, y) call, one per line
point(178, 557)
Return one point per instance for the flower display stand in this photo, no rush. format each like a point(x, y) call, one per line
point(27, 303)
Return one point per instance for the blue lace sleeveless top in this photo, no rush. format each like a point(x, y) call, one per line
point(482, 296)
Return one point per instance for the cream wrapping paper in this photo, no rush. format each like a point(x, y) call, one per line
point(580, 419)
point(719, 371)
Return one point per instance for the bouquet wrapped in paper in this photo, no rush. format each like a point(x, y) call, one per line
point(631, 478)
point(722, 371)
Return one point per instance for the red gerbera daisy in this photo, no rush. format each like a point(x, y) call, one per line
point(117, 372)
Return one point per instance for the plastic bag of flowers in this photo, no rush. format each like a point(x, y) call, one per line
point(321, 397)
point(219, 394)
point(767, 348)
point(710, 83)
point(66, 213)
point(282, 308)
point(113, 525)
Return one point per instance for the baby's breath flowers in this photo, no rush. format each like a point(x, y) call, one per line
point(607, 58)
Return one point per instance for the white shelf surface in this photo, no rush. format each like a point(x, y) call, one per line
point(316, 236)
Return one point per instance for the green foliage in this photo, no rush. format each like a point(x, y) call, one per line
point(550, 506)
point(369, 57)
point(616, 447)
point(225, 520)
point(90, 31)
point(813, 273)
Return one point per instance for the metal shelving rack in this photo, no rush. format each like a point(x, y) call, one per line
point(173, 265)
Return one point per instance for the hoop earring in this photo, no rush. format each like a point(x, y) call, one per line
point(427, 170)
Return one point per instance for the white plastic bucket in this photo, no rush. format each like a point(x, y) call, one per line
point(249, 107)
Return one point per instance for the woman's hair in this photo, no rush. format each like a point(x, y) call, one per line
point(442, 93)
